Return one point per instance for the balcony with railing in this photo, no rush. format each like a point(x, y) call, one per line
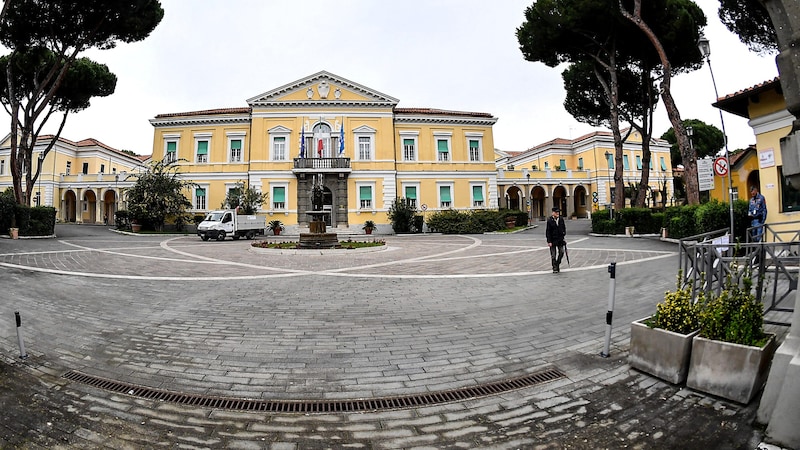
point(322, 164)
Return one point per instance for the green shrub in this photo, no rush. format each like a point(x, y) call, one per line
point(482, 221)
point(448, 222)
point(7, 206)
point(712, 216)
point(734, 315)
point(401, 214)
point(677, 312)
point(418, 222)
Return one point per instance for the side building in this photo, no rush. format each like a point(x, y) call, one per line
point(84, 180)
point(351, 141)
point(577, 175)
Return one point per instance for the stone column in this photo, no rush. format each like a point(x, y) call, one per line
point(779, 402)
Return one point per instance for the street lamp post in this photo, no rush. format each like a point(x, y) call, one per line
point(39, 179)
point(610, 188)
point(705, 50)
point(530, 198)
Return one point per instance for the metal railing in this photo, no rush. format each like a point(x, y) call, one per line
point(706, 261)
point(322, 163)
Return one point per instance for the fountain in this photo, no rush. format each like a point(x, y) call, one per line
point(317, 237)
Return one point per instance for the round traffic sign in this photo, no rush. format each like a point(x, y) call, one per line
point(721, 166)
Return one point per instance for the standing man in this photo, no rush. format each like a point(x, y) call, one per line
point(555, 232)
point(757, 213)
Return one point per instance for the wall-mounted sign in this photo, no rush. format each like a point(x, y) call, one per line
point(766, 158)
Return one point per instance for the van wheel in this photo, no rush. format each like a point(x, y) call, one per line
point(235, 237)
point(221, 236)
point(251, 235)
point(204, 237)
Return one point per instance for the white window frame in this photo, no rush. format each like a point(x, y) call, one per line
point(403, 186)
point(475, 137)
point(68, 169)
point(439, 202)
point(363, 132)
point(285, 133)
point(200, 137)
point(370, 206)
point(2, 166)
point(285, 187)
point(413, 135)
point(196, 207)
point(443, 136)
point(235, 136)
point(171, 138)
point(473, 202)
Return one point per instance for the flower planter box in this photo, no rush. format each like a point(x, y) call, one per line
point(661, 353)
point(733, 371)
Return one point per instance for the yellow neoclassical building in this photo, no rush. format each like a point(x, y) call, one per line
point(576, 175)
point(761, 166)
point(83, 180)
point(350, 140)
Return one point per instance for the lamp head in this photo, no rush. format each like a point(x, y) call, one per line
point(704, 46)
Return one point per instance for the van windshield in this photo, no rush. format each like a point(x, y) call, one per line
point(214, 217)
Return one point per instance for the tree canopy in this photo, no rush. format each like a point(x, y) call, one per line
point(43, 75)
point(244, 197)
point(707, 140)
point(158, 194)
point(749, 20)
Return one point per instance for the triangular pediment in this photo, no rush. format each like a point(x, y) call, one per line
point(279, 129)
point(322, 88)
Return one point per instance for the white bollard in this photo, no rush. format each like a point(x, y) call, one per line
point(22, 353)
point(612, 269)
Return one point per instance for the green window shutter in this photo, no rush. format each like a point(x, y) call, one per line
point(610, 161)
point(444, 193)
point(202, 147)
point(279, 194)
point(625, 164)
point(639, 162)
point(199, 192)
point(663, 164)
point(442, 145)
point(477, 193)
point(236, 144)
point(365, 193)
point(473, 144)
point(408, 142)
point(562, 163)
point(280, 140)
point(172, 146)
point(411, 192)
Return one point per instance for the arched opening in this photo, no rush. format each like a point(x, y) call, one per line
point(560, 200)
point(514, 198)
point(109, 207)
point(89, 207)
point(70, 206)
point(580, 202)
point(538, 209)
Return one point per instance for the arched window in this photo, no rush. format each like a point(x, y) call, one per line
point(321, 142)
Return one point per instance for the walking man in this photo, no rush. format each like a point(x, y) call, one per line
point(555, 232)
point(757, 213)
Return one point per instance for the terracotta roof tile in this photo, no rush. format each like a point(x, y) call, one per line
point(439, 112)
point(207, 112)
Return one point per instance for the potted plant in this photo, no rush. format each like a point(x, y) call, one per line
point(275, 226)
point(368, 226)
point(731, 356)
point(662, 343)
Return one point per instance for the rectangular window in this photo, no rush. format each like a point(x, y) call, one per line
point(279, 148)
point(477, 196)
point(790, 195)
point(365, 197)
point(474, 150)
point(279, 197)
point(663, 163)
point(638, 162)
point(202, 151)
point(562, 164)
point(364, 148)
point(102, 168)
point(2, 166)
point(735, 193)
point(610, 158)
point(172, 151)
point(445, 201)
point(443, 149)
point(236, 150)
point(625, 164)
point(69, 168)
point(199, 198)
point(85, 168)
point(546, 165)
point(580, 163)
point(411, 196)
point(409, 150)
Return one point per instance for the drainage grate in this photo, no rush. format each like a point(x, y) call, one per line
point(320, 406)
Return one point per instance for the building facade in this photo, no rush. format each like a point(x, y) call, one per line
point(83, 180)
point(765, 106)
point(350, 141)
point(577, 175)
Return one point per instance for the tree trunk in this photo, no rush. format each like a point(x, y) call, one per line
point(687, 152)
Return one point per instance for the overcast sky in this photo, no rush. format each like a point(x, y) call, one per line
point(446, 54)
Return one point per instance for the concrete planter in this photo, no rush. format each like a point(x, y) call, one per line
point(661, 353)
point(733, 371)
